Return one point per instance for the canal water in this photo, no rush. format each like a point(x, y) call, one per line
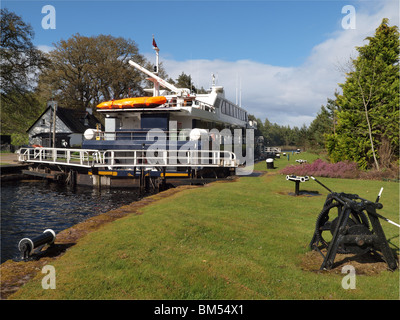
point(31, 206)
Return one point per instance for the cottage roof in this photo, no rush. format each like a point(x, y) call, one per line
point(74, 119)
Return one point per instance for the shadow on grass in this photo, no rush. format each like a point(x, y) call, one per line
point(370, 263)
point(305, 193)
point(53, 251)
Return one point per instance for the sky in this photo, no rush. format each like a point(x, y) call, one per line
point(280, 60)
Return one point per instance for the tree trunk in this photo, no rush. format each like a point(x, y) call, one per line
point(370, 137)
point(366, 115)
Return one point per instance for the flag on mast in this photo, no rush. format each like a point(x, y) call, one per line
point(154, 44)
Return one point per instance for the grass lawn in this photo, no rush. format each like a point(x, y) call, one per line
point(246, 239)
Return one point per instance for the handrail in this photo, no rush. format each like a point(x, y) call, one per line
point(197, 104)
point(129, 158)
point(72, 157)
point(167, 158)
point(126, 134)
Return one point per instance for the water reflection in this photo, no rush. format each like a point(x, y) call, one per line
point(29, 207)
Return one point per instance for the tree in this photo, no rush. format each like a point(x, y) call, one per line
point(87, 70)
point(276, 135)
point(185, 81)
point(301, 138)
point(20, 64)
point(368, 120)
point(18, 112)
point(20, 61)
point(323, 124)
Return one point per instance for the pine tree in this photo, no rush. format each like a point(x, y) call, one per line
point(321, 126)
point(368, 118)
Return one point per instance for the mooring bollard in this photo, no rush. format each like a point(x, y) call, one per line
point(270, 163)
point(27, 246)
point(297, 180)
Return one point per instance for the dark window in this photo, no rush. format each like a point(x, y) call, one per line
point(150, 121)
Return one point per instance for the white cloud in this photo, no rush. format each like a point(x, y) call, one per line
point(45, 48)
point(289, 95)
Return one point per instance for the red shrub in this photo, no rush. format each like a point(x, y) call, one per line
point(320, 168)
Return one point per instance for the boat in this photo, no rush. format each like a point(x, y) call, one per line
point(174, 112)
point(174, 133)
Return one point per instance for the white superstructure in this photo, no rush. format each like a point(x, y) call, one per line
point(180, 110)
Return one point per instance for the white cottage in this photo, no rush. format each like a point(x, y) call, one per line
point(70, 126)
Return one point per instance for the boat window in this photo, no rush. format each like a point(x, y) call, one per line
point(149, 121)
point(233, 111)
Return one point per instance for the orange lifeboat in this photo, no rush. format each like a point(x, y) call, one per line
point(138, 102)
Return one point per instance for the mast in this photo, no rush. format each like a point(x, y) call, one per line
point(157, 79)
point(156, 91)
point(181, 92)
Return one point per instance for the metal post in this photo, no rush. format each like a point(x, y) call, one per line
point(156, 91)
point(141, 181)
point(297, 187)
point(164, 180)
point(54, 123)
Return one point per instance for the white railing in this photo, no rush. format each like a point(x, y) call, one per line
point(72, 157)
point(204, 106)
point(192, 103)
point(139, 135)
point(272, 149)
point(129, 158)
point(167, 158)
